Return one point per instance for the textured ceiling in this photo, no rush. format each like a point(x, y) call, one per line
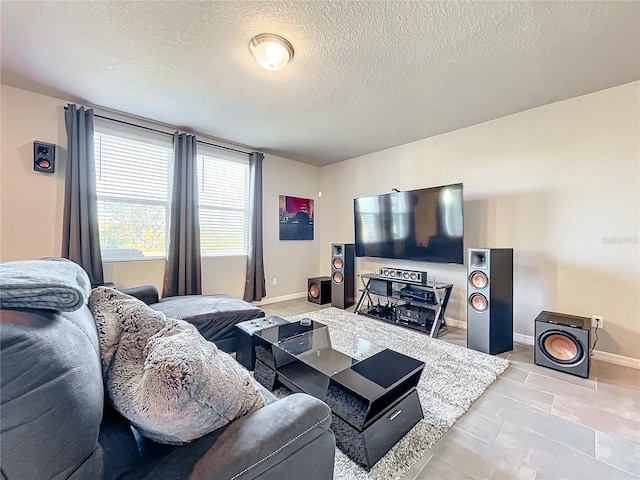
point(366, 75)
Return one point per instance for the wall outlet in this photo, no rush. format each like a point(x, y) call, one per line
point(275, 281)
point(597, 321)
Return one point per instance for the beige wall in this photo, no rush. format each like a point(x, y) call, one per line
point(30, 202)
point(291, 262)
point(31, 205)
point(559, 184)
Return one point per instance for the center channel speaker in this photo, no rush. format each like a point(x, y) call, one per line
point(342, 275)
point(490, 300)
point(406, 276)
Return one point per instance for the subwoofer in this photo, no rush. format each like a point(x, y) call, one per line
point(342, 275)
point(319, 290)
point(490, 300)
point(563, 343)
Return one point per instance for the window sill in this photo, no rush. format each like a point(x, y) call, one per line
point(124, 260)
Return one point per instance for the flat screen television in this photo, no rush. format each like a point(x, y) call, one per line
point(423, 225)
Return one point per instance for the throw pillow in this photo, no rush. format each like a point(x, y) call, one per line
point(162, 375)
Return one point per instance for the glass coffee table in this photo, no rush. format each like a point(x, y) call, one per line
point(373, 401)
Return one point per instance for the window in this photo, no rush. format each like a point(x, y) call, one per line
point(133, 180)
point(223, 186)
point(133, 190)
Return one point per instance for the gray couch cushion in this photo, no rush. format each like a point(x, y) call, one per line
point(162, 375)
point(119, 447)
point(215, 316)
point(51, 395)
point(289, 437)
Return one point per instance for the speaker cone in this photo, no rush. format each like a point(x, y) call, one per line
point(338, 263)
point(43, 163)
point(561, 347)
point(314, 291)
point(337, 277)
point(478, 279)
point(478, 302)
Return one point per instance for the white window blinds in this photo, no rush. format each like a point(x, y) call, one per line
point(133, 190)
point(133, 180)
point(223, 186)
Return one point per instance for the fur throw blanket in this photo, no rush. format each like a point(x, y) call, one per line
point(162, 375)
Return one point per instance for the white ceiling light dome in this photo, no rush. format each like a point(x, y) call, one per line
point(271, 51)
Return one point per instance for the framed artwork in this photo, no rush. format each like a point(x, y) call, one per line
point(296, 218)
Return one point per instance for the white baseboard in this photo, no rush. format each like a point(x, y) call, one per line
point(456, 323)
point(597, 354)
point(517, 337)
point(617, 359)
point(291, 296)
point(523, 339)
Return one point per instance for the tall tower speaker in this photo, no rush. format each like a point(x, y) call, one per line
point(342, 275)
point(490, 300)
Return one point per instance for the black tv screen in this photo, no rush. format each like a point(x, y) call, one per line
point(423, 225)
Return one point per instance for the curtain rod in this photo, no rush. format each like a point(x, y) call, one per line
point(164, 133)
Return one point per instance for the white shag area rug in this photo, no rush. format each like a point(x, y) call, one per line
point(453, 378)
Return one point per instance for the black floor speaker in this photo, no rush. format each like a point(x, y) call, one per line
point(563, 343)
point(490, 300)
point(342, 275)
point(319, 290)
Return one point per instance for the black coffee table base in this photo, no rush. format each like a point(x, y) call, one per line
point(245, 331)
point(370, 445)
point(373, 402)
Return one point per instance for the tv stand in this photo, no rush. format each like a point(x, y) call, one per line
point(419, 307)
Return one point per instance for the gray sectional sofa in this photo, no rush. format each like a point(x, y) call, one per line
point(215, 316)
point(55, 423)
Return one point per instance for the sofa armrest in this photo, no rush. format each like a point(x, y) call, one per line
point(147, 293)
point(290, 435)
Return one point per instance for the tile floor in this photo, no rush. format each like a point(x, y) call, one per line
point(534, 422)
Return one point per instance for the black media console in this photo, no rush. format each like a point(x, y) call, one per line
point(420, 307)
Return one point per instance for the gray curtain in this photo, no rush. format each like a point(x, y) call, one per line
point(80, 236)
point(254, 288)
point(182, 275)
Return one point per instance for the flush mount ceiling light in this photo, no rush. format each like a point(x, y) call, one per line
point(271, 51)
